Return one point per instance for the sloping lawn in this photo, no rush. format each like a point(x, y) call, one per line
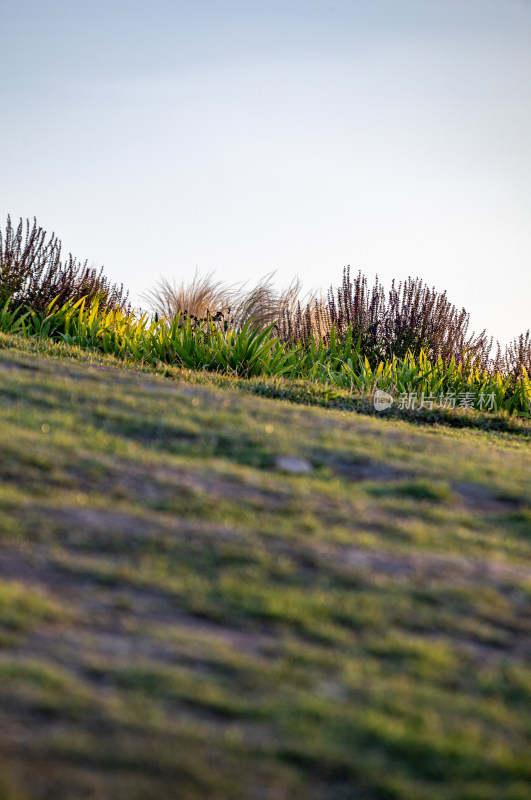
point(181, 617)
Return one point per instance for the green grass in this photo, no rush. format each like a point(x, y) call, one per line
point(181, 618)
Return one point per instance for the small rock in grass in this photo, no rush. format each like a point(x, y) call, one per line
point(293, 464)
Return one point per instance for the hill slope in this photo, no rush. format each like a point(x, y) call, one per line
point(182, 615)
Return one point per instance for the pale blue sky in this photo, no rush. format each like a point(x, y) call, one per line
point(245, 136)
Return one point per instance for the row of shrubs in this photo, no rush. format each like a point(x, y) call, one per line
point(409, 319)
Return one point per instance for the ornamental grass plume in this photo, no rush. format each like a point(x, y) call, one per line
point(263, 305)
point(204, 297)
point(200, 297)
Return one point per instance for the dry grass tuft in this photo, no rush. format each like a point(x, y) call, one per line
point(261, 304)
point(198, 298)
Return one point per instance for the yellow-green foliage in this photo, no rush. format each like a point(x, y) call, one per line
point(209, 344)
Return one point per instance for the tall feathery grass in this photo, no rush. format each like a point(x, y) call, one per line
point(261, 305)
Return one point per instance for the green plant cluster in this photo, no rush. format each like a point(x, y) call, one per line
point(210, 344)
point(411, 342)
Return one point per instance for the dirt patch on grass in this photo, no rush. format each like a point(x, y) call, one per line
point(433, 565)
point(106, 613)
point(365, 469)
point(154, 483)
point(481, 498)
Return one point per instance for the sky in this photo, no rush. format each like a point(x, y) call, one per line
point(244, 137)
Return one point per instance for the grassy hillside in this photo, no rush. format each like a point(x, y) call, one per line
point(183, 615)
